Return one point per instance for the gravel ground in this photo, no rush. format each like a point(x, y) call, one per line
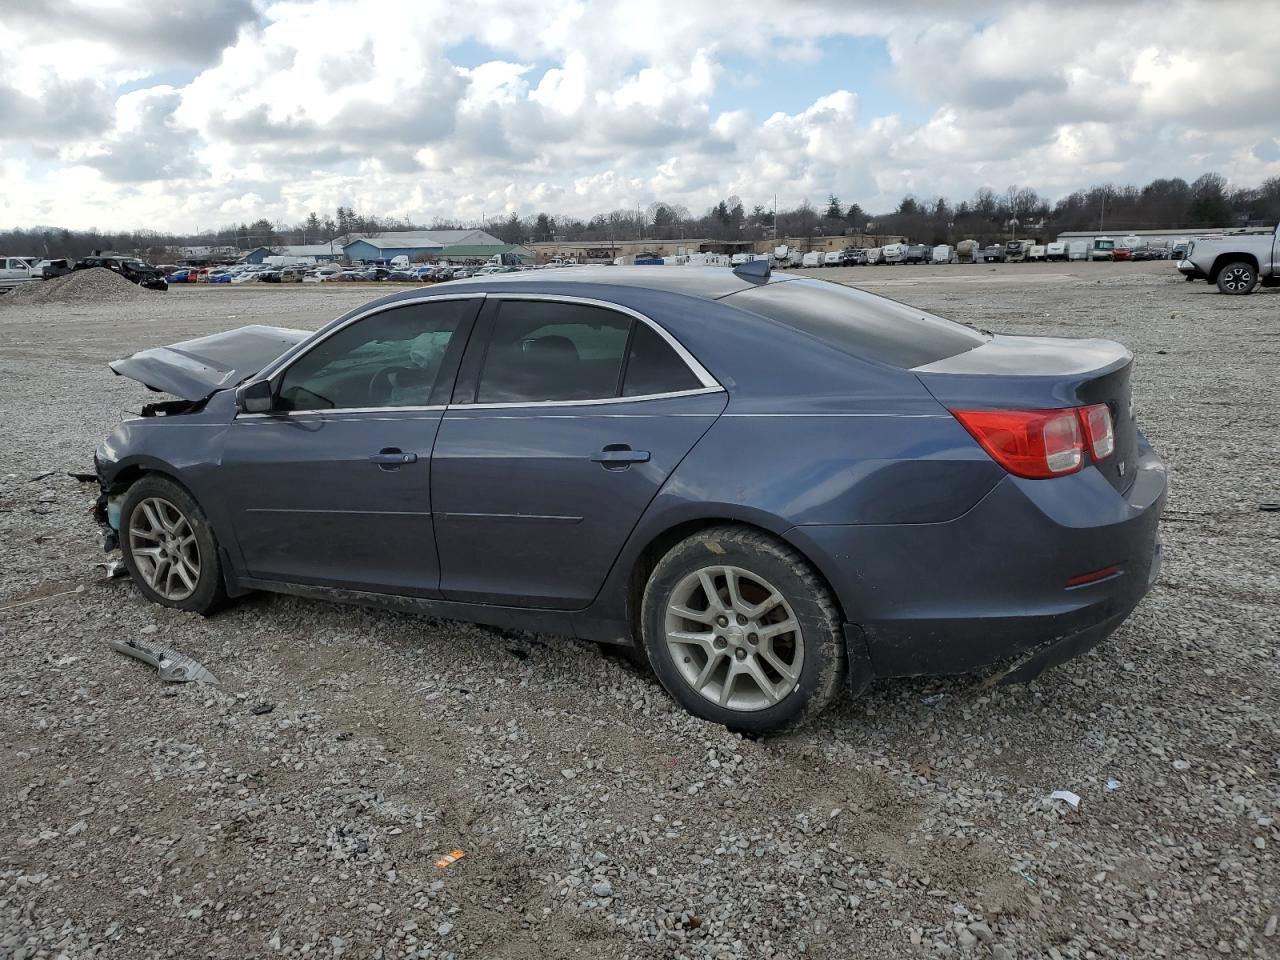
point(597, 819)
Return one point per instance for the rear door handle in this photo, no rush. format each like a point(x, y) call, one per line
point(392, 457)
point(619, 456)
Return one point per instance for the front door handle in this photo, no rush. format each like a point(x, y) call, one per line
point(391, 457)
point(619, 456)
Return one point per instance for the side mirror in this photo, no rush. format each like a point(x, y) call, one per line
point(255, 397)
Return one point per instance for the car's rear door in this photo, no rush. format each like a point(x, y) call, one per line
point(334, 486)
point(568, 417)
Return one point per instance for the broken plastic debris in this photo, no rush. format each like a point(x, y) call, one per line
point(1113, 783)
point(450, 858)
point(1072, 799)
point(173, 667)
point(111, 569)
point(932, 698)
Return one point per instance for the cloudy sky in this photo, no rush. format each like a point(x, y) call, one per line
point(180, 114)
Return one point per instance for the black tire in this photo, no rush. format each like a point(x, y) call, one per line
point(209, 591)
point(1237, 278)
point(822, 664)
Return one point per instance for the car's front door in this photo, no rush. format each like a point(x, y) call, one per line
point(333, 487)
point(567, 419)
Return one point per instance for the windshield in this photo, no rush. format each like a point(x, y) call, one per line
point(1104, 244)
point(860, 323)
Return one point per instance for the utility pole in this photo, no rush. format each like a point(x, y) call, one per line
point(775, 219)
point(1103, 213)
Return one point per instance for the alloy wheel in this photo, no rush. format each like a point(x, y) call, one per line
point(164, 548)
point(1237, 278)
point(734, 638)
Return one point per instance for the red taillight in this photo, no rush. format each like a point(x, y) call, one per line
point(1039, 444)
point(1096, 421)
point(1036, 444)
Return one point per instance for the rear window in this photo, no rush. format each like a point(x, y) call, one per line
point(860, 323)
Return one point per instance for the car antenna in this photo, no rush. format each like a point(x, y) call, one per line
point(755, 270)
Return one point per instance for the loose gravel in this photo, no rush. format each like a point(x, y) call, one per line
point(95, 285)
point(300, 808)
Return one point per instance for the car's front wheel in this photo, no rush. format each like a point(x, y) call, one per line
point(169, 548)
point(742, 631)
point(1237, 278)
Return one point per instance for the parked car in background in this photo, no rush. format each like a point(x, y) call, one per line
point(1236, 263)
point(17, 270)
point(994, 253)
point(1055, 251)
point(692, 462)
point(131, 268)
point(1179, 251)
point(1122, 253)
point(853, 257)
point(51, 269)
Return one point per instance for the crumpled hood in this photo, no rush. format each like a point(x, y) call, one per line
point(196, 369)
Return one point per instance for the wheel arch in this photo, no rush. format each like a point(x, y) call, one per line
point(657, 544)
point(1224, 259)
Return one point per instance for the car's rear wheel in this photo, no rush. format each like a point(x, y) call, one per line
point(1237, 278)
point(169, 548)
point(742, 631)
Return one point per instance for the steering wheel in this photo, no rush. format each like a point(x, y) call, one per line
point(382, 384)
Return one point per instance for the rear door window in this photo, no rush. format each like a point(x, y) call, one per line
point(859, 323)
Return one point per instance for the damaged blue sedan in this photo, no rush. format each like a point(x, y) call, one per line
point(773, 489)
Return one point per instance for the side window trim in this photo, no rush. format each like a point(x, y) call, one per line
point(277, 369)
point(464, 394)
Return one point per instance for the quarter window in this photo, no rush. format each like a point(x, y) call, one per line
point(544, 351)
point(653, 367)
point(391, 359)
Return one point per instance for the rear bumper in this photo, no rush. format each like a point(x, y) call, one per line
point(990, 587)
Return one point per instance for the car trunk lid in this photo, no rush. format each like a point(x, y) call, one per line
point(1042, 373)
point(196, 369)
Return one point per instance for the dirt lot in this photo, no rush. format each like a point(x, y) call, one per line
point(599, 821)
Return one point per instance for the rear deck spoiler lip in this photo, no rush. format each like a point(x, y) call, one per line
point(196, 369)
point(1005, 355)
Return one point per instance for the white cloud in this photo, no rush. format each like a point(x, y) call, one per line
point(582, 107)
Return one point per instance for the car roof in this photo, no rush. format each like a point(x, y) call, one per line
point(708, 283)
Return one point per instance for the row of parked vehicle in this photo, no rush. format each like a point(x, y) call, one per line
point(970, 251)
point(323, 273)
point(18, 270)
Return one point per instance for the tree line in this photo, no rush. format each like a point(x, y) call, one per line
point(1208, 201)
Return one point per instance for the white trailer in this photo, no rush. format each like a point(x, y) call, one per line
point(1078, 250)
point(1055, 251)
point(812, 259)
point(1036, 252)
point(942, 253)
point(893, 252)
point(874, 255)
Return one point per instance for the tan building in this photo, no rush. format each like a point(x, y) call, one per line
point(829, 244)
point(605, 251)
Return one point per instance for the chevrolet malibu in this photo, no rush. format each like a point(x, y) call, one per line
point(772, 488)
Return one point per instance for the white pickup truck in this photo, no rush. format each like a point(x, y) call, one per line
point(16, 270)
point(1236, 262)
